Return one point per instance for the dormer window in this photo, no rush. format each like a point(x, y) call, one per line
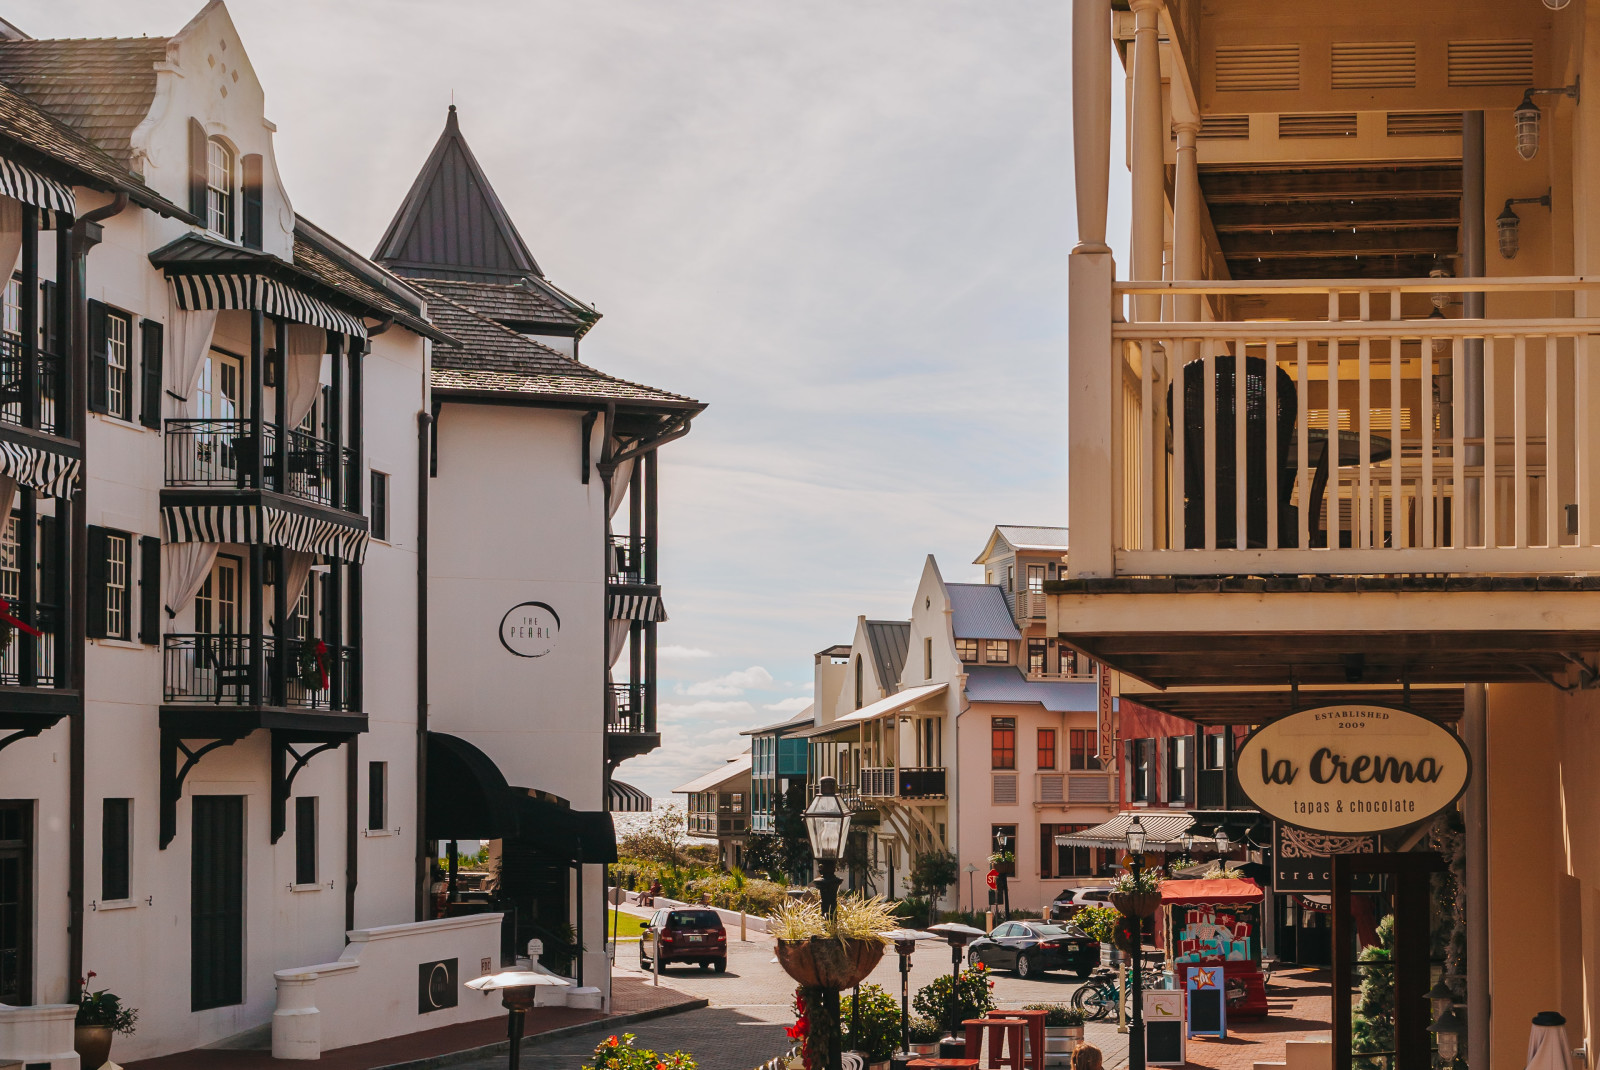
point(219, 188)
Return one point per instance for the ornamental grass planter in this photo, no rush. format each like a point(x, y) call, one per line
point(827, 962)
point(93, 1045)
point(1136, 904)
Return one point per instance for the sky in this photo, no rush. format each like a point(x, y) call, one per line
point(843, 224)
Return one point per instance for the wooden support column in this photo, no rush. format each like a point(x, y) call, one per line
point(280, 412)
point(636, 540)
point(651, 515)
point(1147, 143)
point(29, 318)
point(282, 637)
point(333, 623)
point(353, 634)
point(258, 626)
point(27, 585)
point(1091, 120)
point(354, 491)
point(336, 346)
point(258, 415)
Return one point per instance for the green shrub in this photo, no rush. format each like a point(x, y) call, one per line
point(1058, 1014)
point(1024, 915)
point(925, 1030)
point(970, 995)
point(104, 1009)
point(615, 1053)
point(1097, 923)
point(880, 1023)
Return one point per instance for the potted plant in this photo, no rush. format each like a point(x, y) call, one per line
point(614, 1053)
point(1137, 894)
point(101, 1015)
point(968, 995)
point(1003, 862)
point(1063, 1031)
point(925, 1034)
point(1098, 923)
point(837, 952)
point(879, 1023)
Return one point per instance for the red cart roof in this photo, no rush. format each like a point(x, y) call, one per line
point(1221, 890)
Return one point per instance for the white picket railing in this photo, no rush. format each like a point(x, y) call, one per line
point(1407, 490)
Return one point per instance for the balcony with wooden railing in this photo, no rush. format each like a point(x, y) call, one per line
point(1432, 473)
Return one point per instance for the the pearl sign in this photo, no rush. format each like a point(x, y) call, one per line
point(529, 630)
point(1352, 769)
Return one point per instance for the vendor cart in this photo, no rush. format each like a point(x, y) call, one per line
point(1217, 923)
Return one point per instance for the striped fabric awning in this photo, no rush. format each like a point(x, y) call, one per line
point(203, 292)
point(637, 607)
point(30, 187)
point(48, 473)
point(258, 524)
point(627, 799)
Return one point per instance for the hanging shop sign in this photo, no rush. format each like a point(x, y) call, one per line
point(1303, 861)
point(529, 629)
point(1352, 770)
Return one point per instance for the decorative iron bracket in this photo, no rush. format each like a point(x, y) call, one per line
point(284, 771)
point(21, 733)
point(173, 775)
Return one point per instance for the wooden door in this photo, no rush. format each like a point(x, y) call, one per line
point(216, 903)
point(16, 902)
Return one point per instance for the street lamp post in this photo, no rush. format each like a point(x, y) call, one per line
point(827, 826)
point(1136, 840)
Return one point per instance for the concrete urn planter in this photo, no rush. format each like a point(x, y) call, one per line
point(925, 1047)
point(93, 1045)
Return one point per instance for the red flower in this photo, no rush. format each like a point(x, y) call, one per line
point(661, 1066)
point(611, 1041)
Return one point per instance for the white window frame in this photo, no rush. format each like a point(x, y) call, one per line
point(221, 164)
point(118, 586)
point(119, 352)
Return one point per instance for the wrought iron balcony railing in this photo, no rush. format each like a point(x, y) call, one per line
point(629, 559)
point(13, 661)
point(221, 670)
point(224, 453)
point(925, 782)
point(14, 401)
point(628, 709)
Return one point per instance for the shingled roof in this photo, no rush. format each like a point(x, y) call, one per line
point(494, 359)
point(531, 305)
point(101, 87)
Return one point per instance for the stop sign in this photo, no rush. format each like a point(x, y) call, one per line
point(993, 879)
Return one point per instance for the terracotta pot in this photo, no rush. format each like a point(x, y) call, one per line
point(1136, 904)
point(822, 962)
point(925, 1047)
point(93, 1045)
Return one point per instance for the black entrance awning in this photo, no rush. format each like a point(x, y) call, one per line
point(578, 836)
point(468, 797)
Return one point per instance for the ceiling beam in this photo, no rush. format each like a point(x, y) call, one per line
point(1247, 269)
point(1321, 215)
point(1440, 241)
point(1266, 186)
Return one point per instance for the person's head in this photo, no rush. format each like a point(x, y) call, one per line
point(1086, 1057)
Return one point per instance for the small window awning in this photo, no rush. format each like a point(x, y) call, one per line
point(49, 473)
point(194, 293)
point(893, 704)
point(30, 187)
point(646, 607)
point(266, 525)
point(627, 799)
point(1221, 890)
point(1161, 831)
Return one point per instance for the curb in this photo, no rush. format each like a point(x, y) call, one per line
point(503, 1047)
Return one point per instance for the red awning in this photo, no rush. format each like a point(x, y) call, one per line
point(1211, 891)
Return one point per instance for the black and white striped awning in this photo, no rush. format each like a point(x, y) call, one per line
point(30, 187)
point(637, 607)
point(197, 292)
point(48, 473)
point(259, 524)
point(627, 799)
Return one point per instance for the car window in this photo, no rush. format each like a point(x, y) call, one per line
point(1051, 930)
point(1066, 895)
point(1024, 930)
point(1098, 897)
point(1000, 930)
point(694, 919)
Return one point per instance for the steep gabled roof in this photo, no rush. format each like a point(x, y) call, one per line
point(979, 611)
point(100, 87)
point(1022, 537)
point(889, 640)
point(452, 225)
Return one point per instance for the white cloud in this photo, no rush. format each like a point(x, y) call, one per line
point(672, 652)
point(733, 683)
point(793, 704)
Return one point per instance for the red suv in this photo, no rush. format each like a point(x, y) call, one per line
point(685, 936)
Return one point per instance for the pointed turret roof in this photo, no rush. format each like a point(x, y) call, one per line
point(452, 225)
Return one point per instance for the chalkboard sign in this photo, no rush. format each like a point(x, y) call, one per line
point(1163, 1028)
point(1208, 1014)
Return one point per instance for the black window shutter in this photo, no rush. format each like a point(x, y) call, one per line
point(152, 346)
point(150, 597)
point(97, 357)
point(251, 165)
point(96, 624)
point(114, 849)
point(197, 169)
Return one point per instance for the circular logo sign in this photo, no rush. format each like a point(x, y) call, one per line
point(439, 985)
point(1352, 769)
point(529, 630)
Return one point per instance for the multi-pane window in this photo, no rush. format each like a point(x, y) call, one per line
point(1068, 662)
point(1143, 768)
point(967, 649)
point(1068, 861)
point(305, 840)
point(1003, 743)
point(1047, 748)
point(1083, 750)
point(1216, 750)
point(219, 188)
point(1179, 769)
point(115, 840)
point(10, 570)
point(377, 795)
point(1036, 656)
point(1036, 578)
point(996, 651)
point(117, 587)
point(119, 397)
point(380, 506)
point(12, 307)
point(216, 607)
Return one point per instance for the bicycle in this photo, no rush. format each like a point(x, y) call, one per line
point(1097, 997)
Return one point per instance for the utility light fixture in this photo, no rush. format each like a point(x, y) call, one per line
point(1527, 115)
point(1508, 224)
point(1224, 845)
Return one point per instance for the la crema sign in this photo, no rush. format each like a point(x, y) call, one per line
point(1353, 769)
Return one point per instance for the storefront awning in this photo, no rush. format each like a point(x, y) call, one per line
point(468, 798)
point(53, 474)
point(1161, 832)
point(1216, 890)
point(645, 607)
point(265, 525)
point(627, 799)
point(30, 187)
point(585, 837)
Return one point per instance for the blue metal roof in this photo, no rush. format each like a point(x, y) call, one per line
point(979, 611)
point(1003, 683)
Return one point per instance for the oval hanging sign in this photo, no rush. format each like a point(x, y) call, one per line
point(1352, 769)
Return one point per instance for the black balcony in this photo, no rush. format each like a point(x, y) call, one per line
point(629, 561)
point(16, 405)
point(925, 783)
point(628, 710)
point(221, 670)
point(223, 454)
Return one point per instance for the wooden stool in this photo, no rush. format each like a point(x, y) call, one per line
point(1035, 1020)
point(1003, 1034)
point(929, 1063)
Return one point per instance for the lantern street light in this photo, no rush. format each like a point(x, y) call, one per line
point(1224, 844)
point(905, 941)
point(517, 990)
point(827, 826)
point(1508, 225)
point(1136, 842)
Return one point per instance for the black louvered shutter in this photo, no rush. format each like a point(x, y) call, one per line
point(197, 169)
point(98, 554)
point(97, 357)
point(152, 346)
point(150, 590)
point(251, 166)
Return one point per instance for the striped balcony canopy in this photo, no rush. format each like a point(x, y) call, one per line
point(205, 292)
point(30, 187)
point(251, 524)
point(48, 473)
point(627, 799)
point(646, 607)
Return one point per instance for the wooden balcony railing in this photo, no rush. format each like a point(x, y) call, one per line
point(1422, 477)
point(629, 560)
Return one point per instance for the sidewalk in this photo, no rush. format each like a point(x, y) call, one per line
point(633, 998)
point(1300, 1006)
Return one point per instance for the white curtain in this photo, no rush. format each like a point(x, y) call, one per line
point(190, 334)
point(619, 638)
point(299, 571)
point(10, 235)
point(184, 568)
point(8, 497)
point(619, 487)
point(306, 347)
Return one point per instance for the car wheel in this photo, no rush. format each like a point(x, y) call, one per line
point(721, 965)
point(973, 958)
point(1025, 967)
point(1085, 970)
point(644, 963)
point(705, 966)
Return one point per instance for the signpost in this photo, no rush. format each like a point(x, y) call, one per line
point(1163, 1027)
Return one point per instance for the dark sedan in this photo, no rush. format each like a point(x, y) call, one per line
point(1027, 948)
